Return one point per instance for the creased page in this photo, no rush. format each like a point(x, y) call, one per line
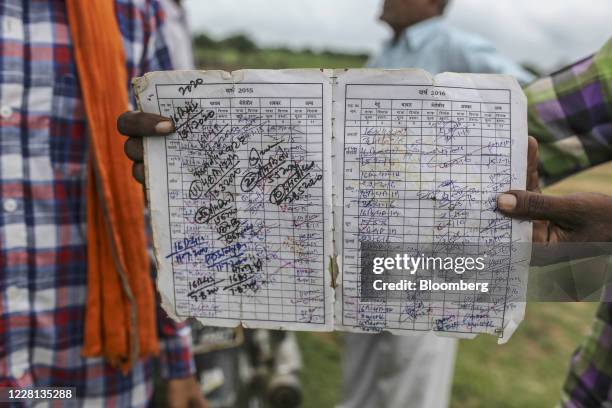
point(240, 196)
point(424, 160)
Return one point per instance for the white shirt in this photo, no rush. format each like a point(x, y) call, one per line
point(177, 35)
point(435, 47)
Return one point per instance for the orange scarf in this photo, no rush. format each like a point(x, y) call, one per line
point(120, 320)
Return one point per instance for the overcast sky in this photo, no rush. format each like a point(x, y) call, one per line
point(543, 32)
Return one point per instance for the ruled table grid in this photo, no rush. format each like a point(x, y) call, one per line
point(289, 285)
point(425, 171)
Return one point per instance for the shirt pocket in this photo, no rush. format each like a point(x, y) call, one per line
point(68, 128)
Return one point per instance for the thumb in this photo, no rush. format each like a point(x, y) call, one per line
point(535, 206)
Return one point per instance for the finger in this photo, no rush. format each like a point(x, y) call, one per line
point(138, 172)
point(139, 124)
point(536, 206)
point(540, 231)
point(533, 178)
point(134, 149)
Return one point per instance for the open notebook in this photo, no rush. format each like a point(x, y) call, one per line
point(279, 188)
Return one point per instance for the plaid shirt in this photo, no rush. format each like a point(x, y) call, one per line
point(570, 113)
point(43, 160)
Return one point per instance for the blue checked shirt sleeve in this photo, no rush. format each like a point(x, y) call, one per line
point(175, 357)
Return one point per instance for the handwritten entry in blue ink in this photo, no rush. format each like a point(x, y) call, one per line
point(424, 160)
point(274, 181)
point(240, 196)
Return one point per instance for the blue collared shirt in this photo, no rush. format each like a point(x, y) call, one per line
point(435, 47)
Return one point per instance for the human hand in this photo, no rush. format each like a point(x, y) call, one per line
point(136, 125)
point(507, 201)
point(580, 217)
point(184, 393)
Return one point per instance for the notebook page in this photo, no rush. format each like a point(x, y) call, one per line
point(240, 196)
point(423, 162)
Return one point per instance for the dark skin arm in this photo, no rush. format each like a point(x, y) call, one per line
point(136, 125)
point(184, 393)
point(180, 392)
point(580, 217)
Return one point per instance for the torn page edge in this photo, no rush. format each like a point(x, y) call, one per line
point(515, 315)
point(140, 86)
point(333, 266)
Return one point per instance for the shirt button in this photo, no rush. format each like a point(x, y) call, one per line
point(19, 362)
point(18, 371)
point(10, 205)
point(6, 112)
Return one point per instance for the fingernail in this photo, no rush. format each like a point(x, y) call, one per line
point(506, 202)
point(164, 127)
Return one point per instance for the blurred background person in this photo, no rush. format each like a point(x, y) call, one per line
point(423, 39)
point(389, 371)
point(177, 33)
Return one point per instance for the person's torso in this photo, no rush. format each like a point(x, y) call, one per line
point(43, 165)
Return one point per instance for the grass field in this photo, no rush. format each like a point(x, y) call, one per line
point(230, 59)
point(526, 372)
